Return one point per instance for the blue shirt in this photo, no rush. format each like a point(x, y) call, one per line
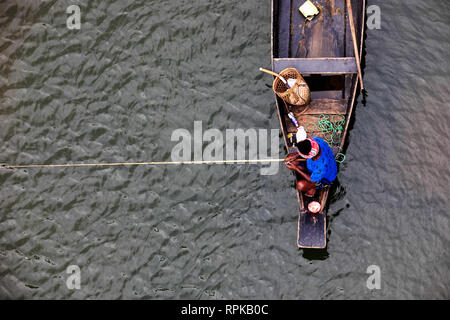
point(324, 167)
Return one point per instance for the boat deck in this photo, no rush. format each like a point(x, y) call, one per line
point(331, 28)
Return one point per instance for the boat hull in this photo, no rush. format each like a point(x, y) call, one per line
point(322, 50)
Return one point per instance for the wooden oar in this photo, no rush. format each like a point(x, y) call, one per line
point(270, 72)
point(289, 83)
point(355, 44)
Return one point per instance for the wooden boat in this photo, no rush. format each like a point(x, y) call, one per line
point(323, 52)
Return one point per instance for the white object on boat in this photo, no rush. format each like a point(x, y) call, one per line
point(291, 82)
point(309, 10)
point(301, 134)
point(314, 207)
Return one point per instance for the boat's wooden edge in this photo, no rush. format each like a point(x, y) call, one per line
point(271, 31)
point(350, 113)
point(283, 131)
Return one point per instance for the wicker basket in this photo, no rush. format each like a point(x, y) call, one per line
point(299, 95)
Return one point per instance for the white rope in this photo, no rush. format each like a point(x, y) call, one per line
point(137, 163)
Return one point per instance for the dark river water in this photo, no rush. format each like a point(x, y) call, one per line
point(115, 91)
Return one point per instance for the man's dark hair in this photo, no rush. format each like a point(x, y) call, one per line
point(304, 146)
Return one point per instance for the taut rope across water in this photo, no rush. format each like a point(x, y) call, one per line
point(156, 163)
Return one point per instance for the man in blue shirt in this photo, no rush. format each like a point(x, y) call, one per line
point(320, 170)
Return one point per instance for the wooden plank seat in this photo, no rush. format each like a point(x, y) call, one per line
point(327, 106)
point(325, 66)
